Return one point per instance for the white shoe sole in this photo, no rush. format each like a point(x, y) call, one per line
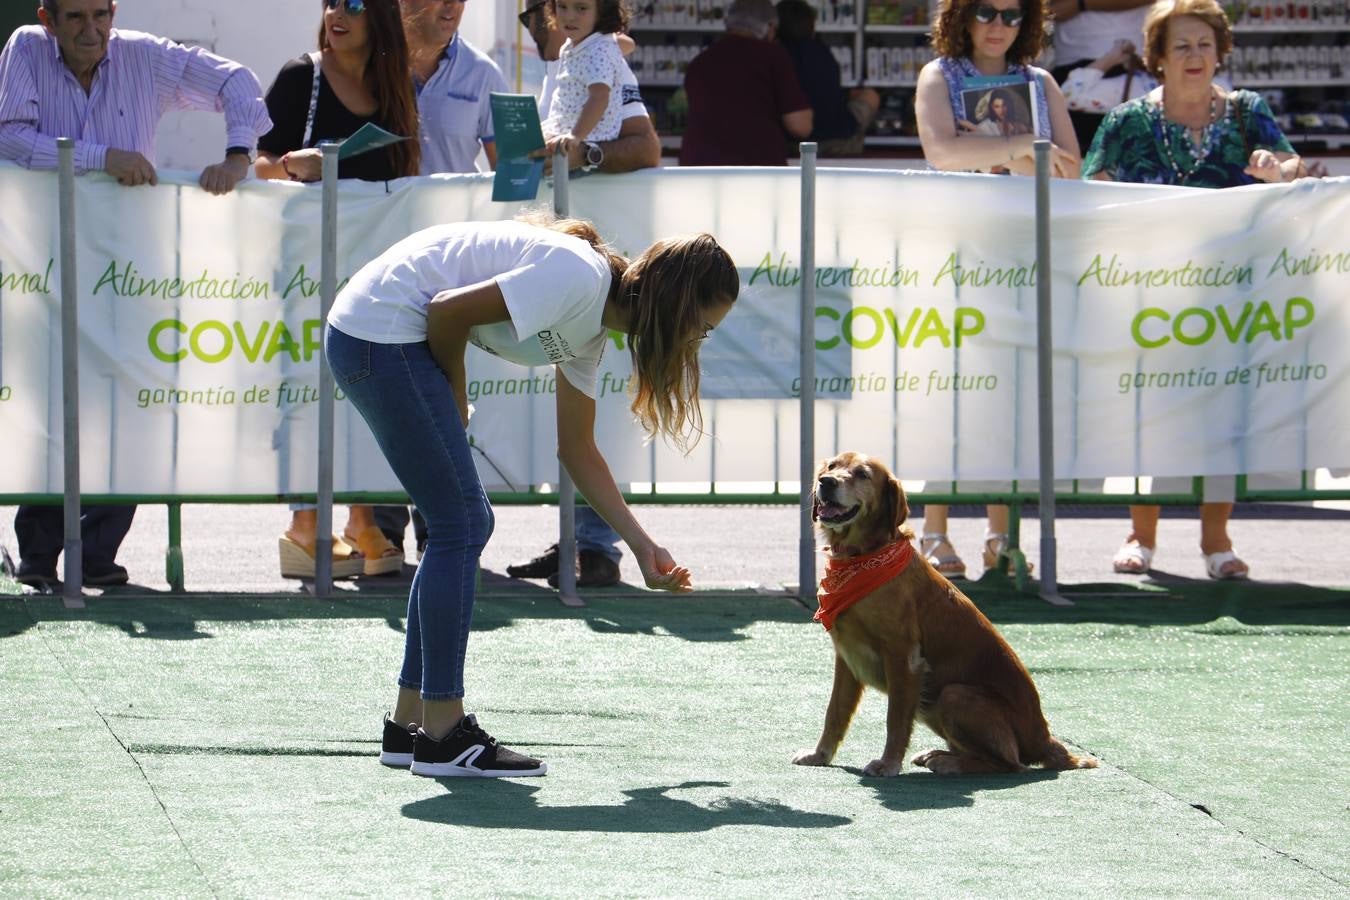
point(395, 760)
point(450, 770)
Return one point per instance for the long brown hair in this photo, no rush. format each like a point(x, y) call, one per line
point(951, 31)
point(389, 79)
point(665, 292)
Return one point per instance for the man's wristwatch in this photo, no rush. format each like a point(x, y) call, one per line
point(592, 156)
point(231, 151)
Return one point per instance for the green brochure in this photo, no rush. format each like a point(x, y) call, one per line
point(366, 138)
point(515, 124)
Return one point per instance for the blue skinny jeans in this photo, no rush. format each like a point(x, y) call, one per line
point(406, 400)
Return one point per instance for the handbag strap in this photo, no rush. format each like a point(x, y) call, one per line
point(316, 59)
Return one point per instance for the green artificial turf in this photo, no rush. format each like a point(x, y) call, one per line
point(226, 747)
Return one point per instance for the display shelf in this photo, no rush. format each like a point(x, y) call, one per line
point(1260, 84)
point(1290, 29)
point(875, 50)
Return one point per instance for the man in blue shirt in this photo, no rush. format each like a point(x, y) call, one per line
point(453, 80)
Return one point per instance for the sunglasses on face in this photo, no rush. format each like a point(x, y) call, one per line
point(986, 14)
point(354, 7)
point(527, 15)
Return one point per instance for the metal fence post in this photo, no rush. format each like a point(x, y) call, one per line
point(72, 589)
point(323, 536)
point(1045, 384)
point(806, 570)
point(567, 501)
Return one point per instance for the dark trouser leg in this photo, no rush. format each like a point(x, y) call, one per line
point(393, 522)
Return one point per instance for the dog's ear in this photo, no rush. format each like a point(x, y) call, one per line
point(896, 504)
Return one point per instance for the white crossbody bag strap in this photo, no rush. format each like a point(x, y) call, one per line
point(317, 59)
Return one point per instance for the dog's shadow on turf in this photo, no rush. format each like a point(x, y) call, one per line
point(923, 790)
point(502, 803)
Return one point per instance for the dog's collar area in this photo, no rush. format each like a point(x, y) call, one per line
point(847, 581)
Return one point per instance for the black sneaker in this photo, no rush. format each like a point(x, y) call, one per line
point(396, 748)
point(594, 569)
point(37, 575)
point(469, 751)
point(110, 575)
point(541, 566)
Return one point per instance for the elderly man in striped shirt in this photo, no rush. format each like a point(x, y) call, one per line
point(76, 76)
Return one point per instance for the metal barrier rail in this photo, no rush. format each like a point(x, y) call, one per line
point(1047, 495)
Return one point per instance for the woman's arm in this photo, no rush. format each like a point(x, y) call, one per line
point(1273, 166)
point(942, 146)
point(450, 315)
point(1065, 161)
point(578, 453)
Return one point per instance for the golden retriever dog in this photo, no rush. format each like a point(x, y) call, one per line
point(900, 627)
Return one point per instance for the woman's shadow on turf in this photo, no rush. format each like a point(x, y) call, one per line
point(494, 803)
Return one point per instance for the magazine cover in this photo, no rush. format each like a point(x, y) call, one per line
point(1001, 105)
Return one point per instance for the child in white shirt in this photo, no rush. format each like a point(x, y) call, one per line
point(588, 103)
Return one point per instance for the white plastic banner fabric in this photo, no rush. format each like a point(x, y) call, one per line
point(1196, 332)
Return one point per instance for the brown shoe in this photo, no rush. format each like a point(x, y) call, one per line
point(594, 569)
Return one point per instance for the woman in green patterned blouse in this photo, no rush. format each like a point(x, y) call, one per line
point(1189, 131)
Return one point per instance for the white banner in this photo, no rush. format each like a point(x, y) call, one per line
point(1196, 332)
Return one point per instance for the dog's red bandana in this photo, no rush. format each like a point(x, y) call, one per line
point(849, 580)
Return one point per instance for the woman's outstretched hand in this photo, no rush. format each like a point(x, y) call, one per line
point(661, 573)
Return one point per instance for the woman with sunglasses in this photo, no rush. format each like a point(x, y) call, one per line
point(359, 74)
point(535, 293)
point(981, 39)
point(978, 39)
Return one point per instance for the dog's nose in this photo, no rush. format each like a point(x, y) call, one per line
point(828, 481)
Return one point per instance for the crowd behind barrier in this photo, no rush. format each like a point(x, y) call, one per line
point(925, 326)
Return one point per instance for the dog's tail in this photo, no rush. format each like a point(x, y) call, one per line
point(1057, 756)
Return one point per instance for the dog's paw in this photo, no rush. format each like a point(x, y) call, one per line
point(882, 768)
point(810, 758)
point(939, 762)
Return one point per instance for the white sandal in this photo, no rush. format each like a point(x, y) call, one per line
point(1133, 558)
point(950, 565)
point(995, 546)
point(1214, 563)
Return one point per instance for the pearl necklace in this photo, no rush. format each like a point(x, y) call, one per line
point(1199, 156)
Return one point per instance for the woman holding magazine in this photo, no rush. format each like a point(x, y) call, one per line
point(981, 45)
point(359, 74)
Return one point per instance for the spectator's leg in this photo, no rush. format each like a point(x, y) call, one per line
point(393, 523)
point(598, 552)
point(934, 544)
point(102, 530)
point(41, 534)
point(594, 534)
point(419, 531)
point(1214, 539)
point(382, 557)
point(1144, 526)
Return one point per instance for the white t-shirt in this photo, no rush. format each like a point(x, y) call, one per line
point(555, 287)
point(630, 93)
point(596, 60)
point(1089, 35)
